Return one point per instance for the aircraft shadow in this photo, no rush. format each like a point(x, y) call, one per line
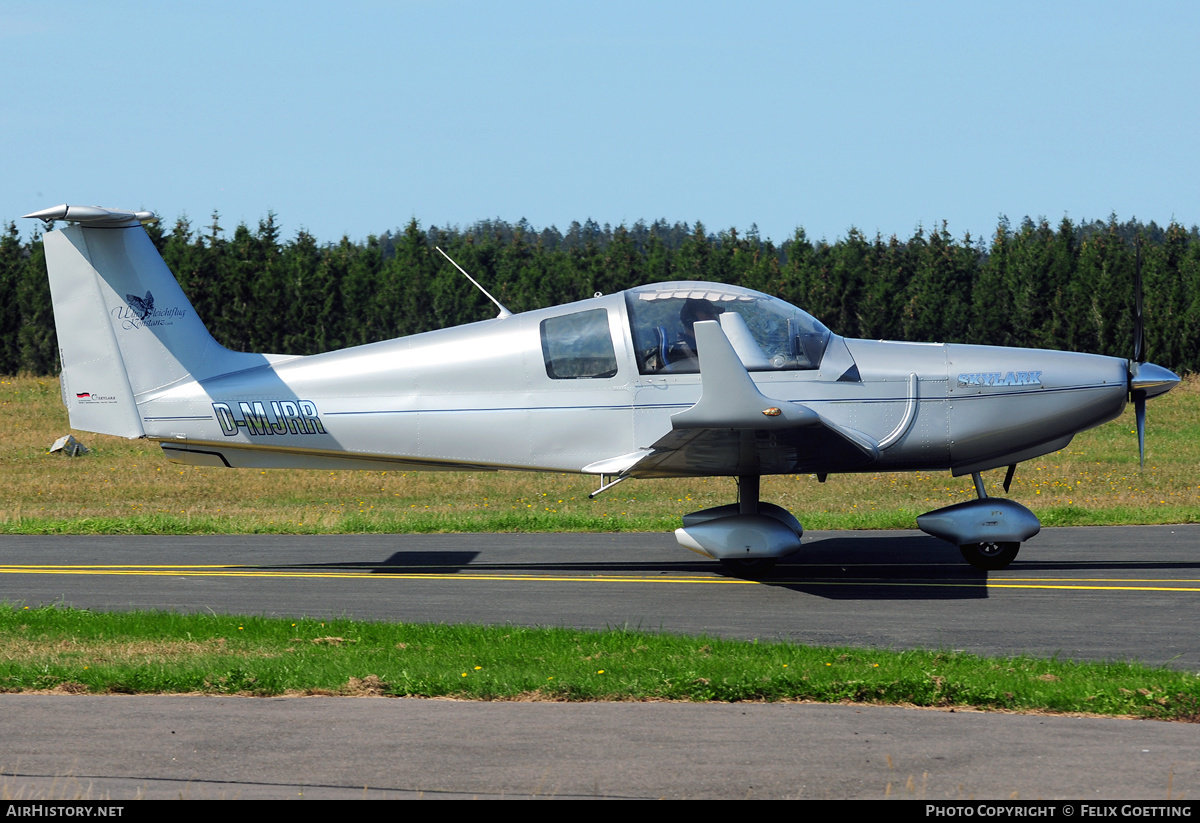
point(453, 562)
point(881, 568)
point(859, 568)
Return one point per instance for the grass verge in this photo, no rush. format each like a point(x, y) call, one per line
point(77, 651)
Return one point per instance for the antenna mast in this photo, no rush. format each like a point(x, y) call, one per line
point(503, 311)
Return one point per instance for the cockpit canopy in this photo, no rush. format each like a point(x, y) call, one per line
point(767, 333)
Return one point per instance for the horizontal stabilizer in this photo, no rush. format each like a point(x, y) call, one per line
point(94, 216)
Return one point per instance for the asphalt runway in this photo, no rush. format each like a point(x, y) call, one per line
point(1100, 593)
point(1084, 593)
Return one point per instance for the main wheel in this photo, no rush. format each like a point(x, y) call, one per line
point(991, 556)
point(751, 567)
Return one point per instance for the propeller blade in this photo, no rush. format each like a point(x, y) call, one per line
point(1139, 329)
point(1145, 379)
point(1139, 410)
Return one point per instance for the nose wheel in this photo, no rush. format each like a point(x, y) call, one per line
point(988, 531)
point(991, 556)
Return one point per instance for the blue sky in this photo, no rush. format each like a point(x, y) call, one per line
point(352, 120)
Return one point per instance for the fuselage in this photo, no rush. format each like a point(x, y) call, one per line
point(524, 392)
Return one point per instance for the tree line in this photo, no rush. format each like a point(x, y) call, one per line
point(1068, 286)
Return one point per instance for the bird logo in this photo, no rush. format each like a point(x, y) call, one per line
point(144, 306)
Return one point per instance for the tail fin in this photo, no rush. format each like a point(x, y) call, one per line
point(125, 328)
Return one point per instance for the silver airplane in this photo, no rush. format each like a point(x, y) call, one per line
point(682, 379)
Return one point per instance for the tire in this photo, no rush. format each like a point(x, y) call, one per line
point(990, 557)
point(750, 568)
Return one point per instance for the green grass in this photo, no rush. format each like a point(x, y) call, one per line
point(76, 651)
point(127, 487)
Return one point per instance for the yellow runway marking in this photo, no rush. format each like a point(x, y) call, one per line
point(388, 573)
point(1163, 588)
point(1165, 585)
point(377, 574)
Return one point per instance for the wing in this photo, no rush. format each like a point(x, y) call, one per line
point(735, 430)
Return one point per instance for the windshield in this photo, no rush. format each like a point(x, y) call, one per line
point(767, 333)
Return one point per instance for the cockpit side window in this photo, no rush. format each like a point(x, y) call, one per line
point(767, 333)
point(578, 345)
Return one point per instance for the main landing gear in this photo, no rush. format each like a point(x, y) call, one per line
point(748, 537)
point(988, 530)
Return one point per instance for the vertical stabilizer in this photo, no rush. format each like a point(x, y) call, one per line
point(95, 387)
point(125, 328)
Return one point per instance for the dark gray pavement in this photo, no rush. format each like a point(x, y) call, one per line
point(207, 747)
point(1094, 593)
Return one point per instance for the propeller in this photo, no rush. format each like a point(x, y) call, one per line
point(1145, 379)
point(1139, 329)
